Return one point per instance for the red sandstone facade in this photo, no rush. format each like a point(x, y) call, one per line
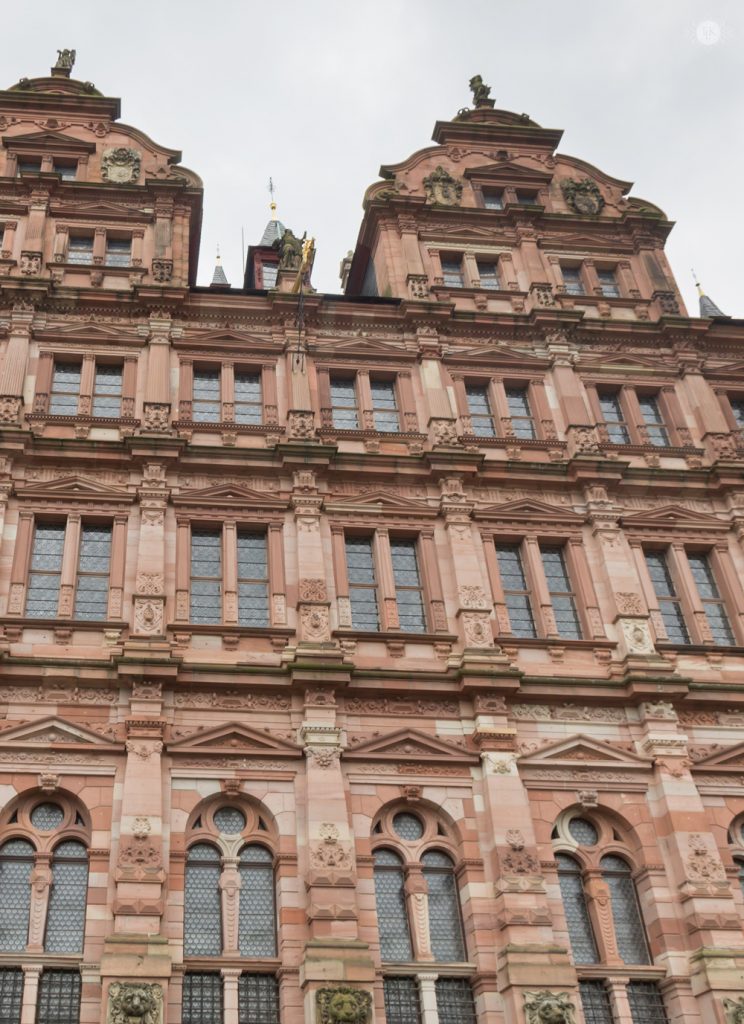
point(430, 605)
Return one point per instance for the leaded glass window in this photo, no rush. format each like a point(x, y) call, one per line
point(666, 594)
point(65, 391)
point(740, 869)
point(229, 820)
point(201, 1000)
point(409, 593)
point(583, 832)
point(67, 171)
point(11, 995)
point(455, 1003)
point(445, 922)
point(28, 166)
point(402, 1004)
point(253, 579)
point(384, 406)
point(248, 398)
point(269, 272)
point(561, 595)
point(59, 998)
point(118, 252)
point(407, 826)
point(737, 408)
point(608, 284)
point(493, 199)
point(626, 914)
point(516, 590)
point(595, 1002)
point(107, 391)
point(581, 936)
point(488, 274)
point(202, 930)
point(715, 610)
point(65, 925)
point(360, 568)
point(390, 900)
point(258, 999)
point(206, 576)
point(646, 1004)
point(42, 593)
point(572, 280)
point(452, 272)
point(206, 401)
point(16, 864)
point(46, 817)
point(94, 559)
point(527, 198)
point(612, 414)
point(344, 409)
point(519, 412)
point(80, 250)
point(653, 421)
point(257, 919)
point(479, 408)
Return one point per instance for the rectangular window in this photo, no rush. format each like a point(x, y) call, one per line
point(206, 576)
point(65, 393)
point(344, 403)
point(107, 391)
point(384, 406)
point(253, 580)
point(206, 403)
point(94, 564)
point(27, 165)
point(572, 280)
point(11, 994)
point(612, 414)
point(652, 419)
point(527, 198)
point(401, 1001)
point(248, 397)
point(608, 284)
point(409, 593)
point(269, 272)
point(737, 408)
point(516, 591)
point(519, 411)
point(488, 274)
point(80, 249)
point(646, 1004)
point(118, 252)
point(360, 569)
point(59, 998)
point(715, 610)
point(452, 272)
point(561, 595)
point(479, 408)
point(45, 573)
point(595, 1002)
point(201, 1000)
point(669, 603)
point(66, 169)
point(493, 199)
point(258, 999)
point(455, 1001)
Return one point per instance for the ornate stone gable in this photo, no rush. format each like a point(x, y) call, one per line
point(675, 518)
point(530, 511)
point(228, 496)
point(234, 738)
point(410, 743)
point(72, 490)
point(50, 730)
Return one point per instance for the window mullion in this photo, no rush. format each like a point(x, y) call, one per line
point(542, 606)
point(31, 977)
point(428, 997)
point(68, 574)
point(230, 572)
point(230, 976)
point(87, 379)
point(689, 598)
point(385, 580)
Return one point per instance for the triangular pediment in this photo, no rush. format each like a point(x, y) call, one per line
point(409, 744)
point(227, 494)
point(98, 208)
point(508, 171)
point(730, 757)
point(499, 358)
point(73, 488)
point(89, 332)
point(47, 140)
point(529, 510)
point(583, 748)
point(673, 517)
point(378, 501)
point(612, 363)
point(235, 738)
point(236, 338)
point(48, 731)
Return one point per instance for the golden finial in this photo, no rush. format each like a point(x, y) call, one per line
point(697, 284)
point(272, 204)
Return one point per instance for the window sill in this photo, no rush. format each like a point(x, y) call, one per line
point(207, 629)
point(382, 636)
point(731, 650)
point(382, 435)
point(641, 972)
point(444, 967)
point(93, 421)
point(265, 964)
point(543, 642)
point(26, 622)
point(228, 426)
point(677, 451)
point(536, 443)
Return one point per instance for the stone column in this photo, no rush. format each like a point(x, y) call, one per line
point(156, 409)
point(441, 415)
point(577, 415)
point(474, 611)
point(230, 976)
point(428, 997)
point(15, 362)
point(31, 975)
point(313, 608)
point(149, 599)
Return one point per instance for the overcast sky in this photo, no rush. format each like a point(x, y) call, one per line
point(318, 94)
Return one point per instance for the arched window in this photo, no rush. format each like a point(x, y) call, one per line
point(626, 914)
point(392, 918)
point(16, 864)
point(65, 927)
point(580, 933)
point(202, 910)
point(740, 869)
point(445, 922)
point(257, 924)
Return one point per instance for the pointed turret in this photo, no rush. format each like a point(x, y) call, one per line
point(708, 308)
point(219, 279)
point(262, 264)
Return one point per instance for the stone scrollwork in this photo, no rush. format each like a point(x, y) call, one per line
point(733, 1010)
point(315, 623)
point(703, 865)
point(548, 1008)
point(477, 629)
point(342, 1005)
point(135, 1003)
point(637, 636)
point(121, 165)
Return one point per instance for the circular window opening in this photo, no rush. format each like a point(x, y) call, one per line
point(229, 820)
point(46, 817)
point(583, 831)
point(407, 826)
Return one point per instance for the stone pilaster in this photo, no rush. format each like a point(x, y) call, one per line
point(149, 599)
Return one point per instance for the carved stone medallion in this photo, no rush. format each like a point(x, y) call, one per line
point(135, 1003)
point(343, 1005)
point(120, 165)
point(583, 196)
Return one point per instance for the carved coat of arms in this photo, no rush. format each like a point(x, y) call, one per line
point(442, 189)
point(120, 165)
point(584, 196)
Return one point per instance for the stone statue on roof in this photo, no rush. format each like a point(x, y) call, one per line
point(290, 250)
point(481, 92)
point(65, 59)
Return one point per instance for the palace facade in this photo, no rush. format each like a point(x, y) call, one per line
point(371, 657)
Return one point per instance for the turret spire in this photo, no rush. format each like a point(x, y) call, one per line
point(708, 308)
point(219, 280)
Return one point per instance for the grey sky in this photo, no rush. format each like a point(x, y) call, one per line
point(319, 94)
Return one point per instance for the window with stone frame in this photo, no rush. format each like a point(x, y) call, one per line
point(366, 399)
point(648, 416)
point(245, 549)
point(613, 417)
point(573, 280)
point(415, 858)
point(43, 876)
point(736, 842)
point(232, 393)
point(691, 605)
point(596, 877)
point(77, 391)
point(58, 1000)
point(11, 995)
point(453, 275)
point(608, 283)
point(86, 595)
